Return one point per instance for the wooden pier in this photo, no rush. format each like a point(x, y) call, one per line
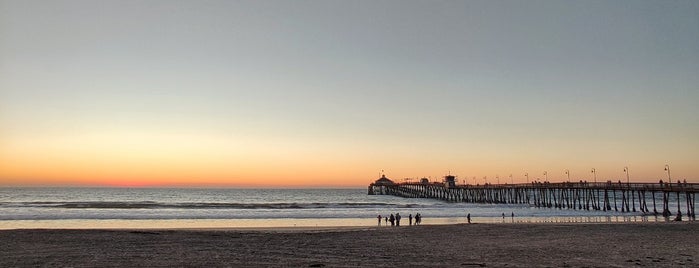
point(648, 198)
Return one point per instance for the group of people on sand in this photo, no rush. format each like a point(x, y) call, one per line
point(395, 219)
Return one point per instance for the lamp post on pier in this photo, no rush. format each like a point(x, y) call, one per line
point(526, 174)
point(546, 176)
point(594, 174)
point(628, 185)
point(594, 177)
point(568, 175)
point(512, 181)
point(669, 180)
point(497, 177)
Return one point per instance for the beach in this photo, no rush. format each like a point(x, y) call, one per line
point(462, 245)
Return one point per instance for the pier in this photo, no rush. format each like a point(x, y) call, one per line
point(648, 198)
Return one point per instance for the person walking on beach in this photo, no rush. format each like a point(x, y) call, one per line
point(418, 218)
point(379, 218)
point(410, 219)
point(398, 219)
point(468, 218)
point(392, 219)
point(386, 220)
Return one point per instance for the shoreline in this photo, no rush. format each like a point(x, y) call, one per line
point(347, 228)
point(304, 222)
point(474, 245)
point(314, 229)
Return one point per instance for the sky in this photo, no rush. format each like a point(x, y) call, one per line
point(332, 93)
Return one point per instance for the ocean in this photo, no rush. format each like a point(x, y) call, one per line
point(231, 208)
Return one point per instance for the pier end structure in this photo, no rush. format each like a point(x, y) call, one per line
point(381, 186)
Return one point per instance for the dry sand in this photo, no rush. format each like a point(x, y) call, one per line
point(475, 245)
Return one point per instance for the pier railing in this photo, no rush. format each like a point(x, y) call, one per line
point(605, 196)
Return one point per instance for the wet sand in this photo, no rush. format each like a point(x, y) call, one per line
point(461, 245)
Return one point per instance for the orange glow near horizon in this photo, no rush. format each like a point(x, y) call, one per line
point(123, 159)
point(52, 169)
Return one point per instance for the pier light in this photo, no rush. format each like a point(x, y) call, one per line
point(512, 181)
point(546, 176)
point(667, 168)
point(526, 174)
point(626, 170)
point(568, 175)
point(497, 177)
point(594, 174)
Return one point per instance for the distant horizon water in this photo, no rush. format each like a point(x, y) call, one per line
point(101, 207)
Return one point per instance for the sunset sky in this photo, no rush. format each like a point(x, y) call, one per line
point(329, 93)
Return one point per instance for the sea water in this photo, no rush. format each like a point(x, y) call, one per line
point(226, 208)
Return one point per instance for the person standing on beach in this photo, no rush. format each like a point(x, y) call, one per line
point(410, 219)
point(392, 219)
point(398, 219)
point(468, 218)
point(379, 218)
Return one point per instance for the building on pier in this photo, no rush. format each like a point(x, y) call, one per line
point(381, 185)
point(450, 181)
